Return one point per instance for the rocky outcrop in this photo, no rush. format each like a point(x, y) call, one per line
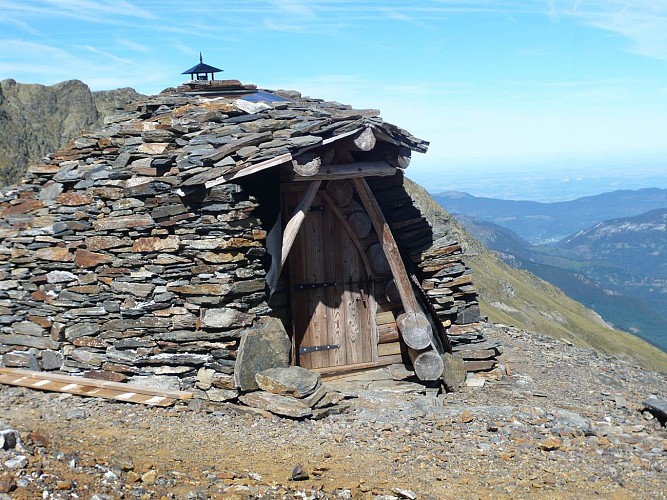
point(37, 119)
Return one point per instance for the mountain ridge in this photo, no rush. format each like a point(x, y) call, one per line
point(620, 275)
point(519, 298)
point(37, 119)
point(540, 222)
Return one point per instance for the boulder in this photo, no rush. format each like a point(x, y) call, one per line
point(263, 346)
point(291, 381)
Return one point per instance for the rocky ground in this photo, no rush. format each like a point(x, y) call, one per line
point(556, 421)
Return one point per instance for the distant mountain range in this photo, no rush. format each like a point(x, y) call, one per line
point(617, 267)
point(549, 222)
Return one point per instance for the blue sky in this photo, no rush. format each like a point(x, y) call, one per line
point(483, 80)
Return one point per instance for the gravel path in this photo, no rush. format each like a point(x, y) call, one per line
point(565, 423)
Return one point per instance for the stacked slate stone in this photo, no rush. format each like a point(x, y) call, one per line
point(128, 255)
point(471, 343)
point(435, 254)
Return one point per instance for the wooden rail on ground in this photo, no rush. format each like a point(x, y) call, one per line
point(81, 386)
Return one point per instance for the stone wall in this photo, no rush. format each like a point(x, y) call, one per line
point(123, 258)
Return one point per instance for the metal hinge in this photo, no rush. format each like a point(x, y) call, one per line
point(316, 348)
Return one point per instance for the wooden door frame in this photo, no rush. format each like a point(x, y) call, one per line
point(289, 236)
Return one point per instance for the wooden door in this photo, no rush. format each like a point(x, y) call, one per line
point(330, 301)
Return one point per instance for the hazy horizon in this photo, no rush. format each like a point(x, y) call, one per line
point(541, 179)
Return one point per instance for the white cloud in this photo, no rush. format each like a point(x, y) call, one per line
point(109, 55)
point(642, 22)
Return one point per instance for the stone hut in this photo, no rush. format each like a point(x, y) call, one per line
point(215, 233)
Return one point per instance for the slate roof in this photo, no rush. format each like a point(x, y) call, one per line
point(196, 140)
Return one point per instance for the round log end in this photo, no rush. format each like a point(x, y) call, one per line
point(415, 330)
point(428, 365)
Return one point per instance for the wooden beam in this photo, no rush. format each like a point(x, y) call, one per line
point(350, 171)
point(364, 140)
point(307, 164)
point(293, 225)
point(335, 372)
point(388, 244)
point(251, 169)
point(428, 364)
point(341, 136)
point(419, 330)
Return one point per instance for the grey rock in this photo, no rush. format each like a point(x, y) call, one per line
point(265, 345)
point(454, 373)
point(299, 473)
point(77, 414)
point(9, 438)
point(569, 421)
point(225, 318)
point(78, 330)
point(51, 360)
point(220, 395)
point(16, 463)
point(290, 381)
point(276, 404)
point(170, 383)
point(657, 407)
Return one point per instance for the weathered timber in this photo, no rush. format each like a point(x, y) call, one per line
point(340, 370)
point(427, 364)
point(329, 202)
point(350, 171)
point(388, 333)
point(385, 318)
point(390, 348)
point(360, 223)
point(293, 225)
point(306, 164)
point(91, 387)
point(251, 169)
point(341, 192)
point(364, 140)
point(388, 243)
point(415, 329)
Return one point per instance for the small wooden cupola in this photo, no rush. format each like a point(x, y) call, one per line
point(202, 71)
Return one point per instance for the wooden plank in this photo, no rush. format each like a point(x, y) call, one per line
point(334, 372)
point(388, 333)
point(91, 388)
point(251, 169)
point(292, 227)
point(337, 297)
point(104, 384)
point(338, 137)
point(388, 349)
point(349, 171)
point(346, 226)
point(384, 318)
